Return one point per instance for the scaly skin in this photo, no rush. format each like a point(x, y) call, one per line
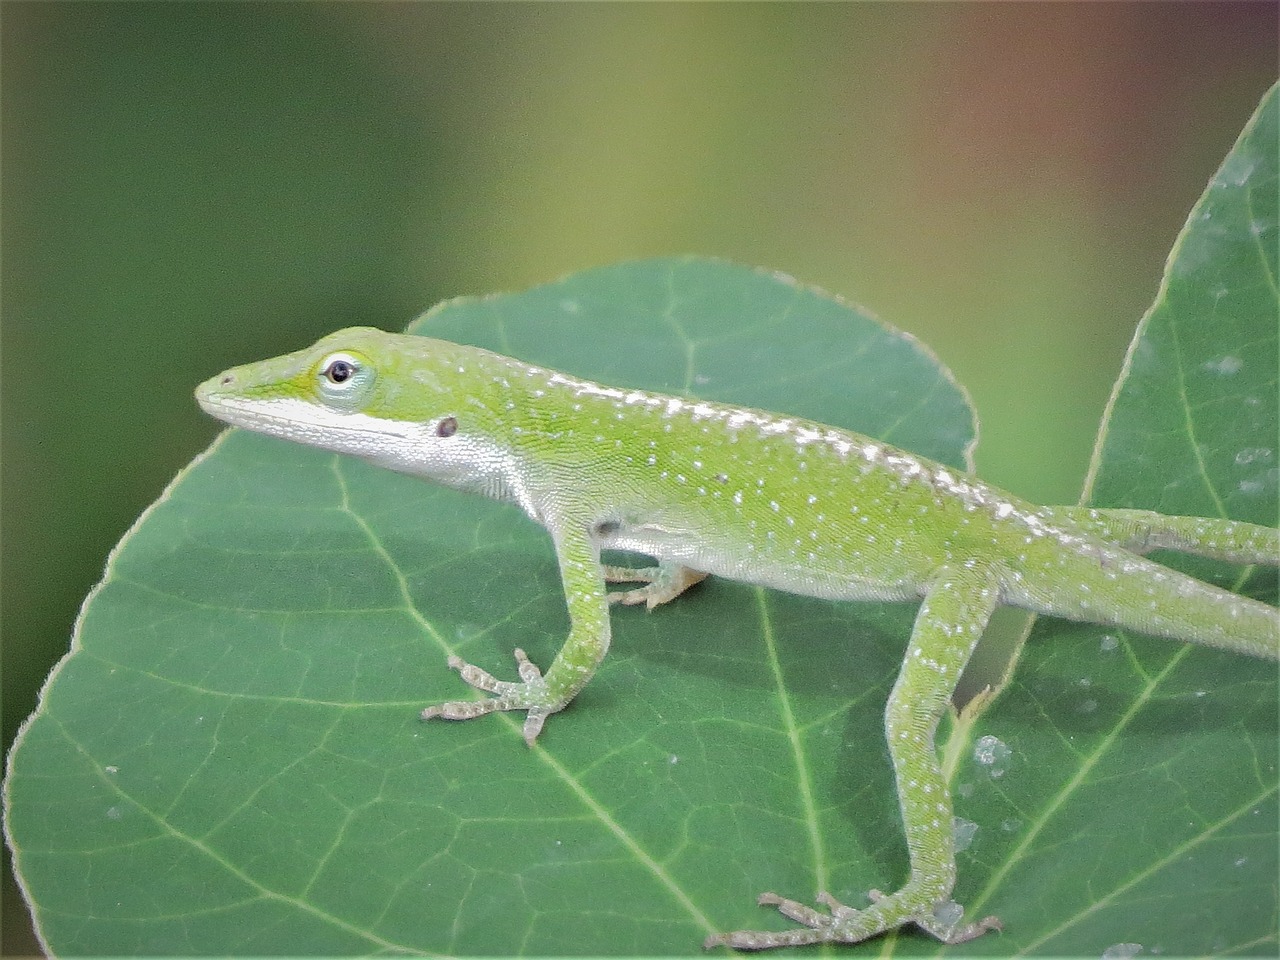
point(758, 497)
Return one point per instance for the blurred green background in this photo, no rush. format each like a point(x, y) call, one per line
point(194, 185)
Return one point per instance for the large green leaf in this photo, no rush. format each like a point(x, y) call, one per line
point(1138, 804)
point(229, 760)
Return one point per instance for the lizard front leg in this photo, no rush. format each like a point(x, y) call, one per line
point(950, 622)
point(583, 650)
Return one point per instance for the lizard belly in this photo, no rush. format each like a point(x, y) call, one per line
point(767, 565)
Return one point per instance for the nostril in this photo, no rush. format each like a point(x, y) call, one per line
point(228, 379)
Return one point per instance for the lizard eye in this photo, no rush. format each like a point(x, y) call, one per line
point(344, 379)
point(339, 370)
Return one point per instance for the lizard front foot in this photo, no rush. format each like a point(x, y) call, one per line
point(530, 694)
point(844, 924)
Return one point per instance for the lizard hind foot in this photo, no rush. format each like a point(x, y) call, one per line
point(845, 924)
point(816, 927)
point(662, 583)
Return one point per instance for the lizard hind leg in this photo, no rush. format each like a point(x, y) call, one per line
point(1142, 531)
point(952, 618)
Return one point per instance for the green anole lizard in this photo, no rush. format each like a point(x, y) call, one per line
point(762, 498)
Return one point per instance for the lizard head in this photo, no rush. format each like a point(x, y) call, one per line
point(391, 398)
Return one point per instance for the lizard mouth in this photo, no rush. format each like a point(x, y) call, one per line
point(296, 420)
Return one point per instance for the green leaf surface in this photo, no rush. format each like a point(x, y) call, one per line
point(1139, 801)
point(230, 760)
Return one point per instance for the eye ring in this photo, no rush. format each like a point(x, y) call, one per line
point(344, 379)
